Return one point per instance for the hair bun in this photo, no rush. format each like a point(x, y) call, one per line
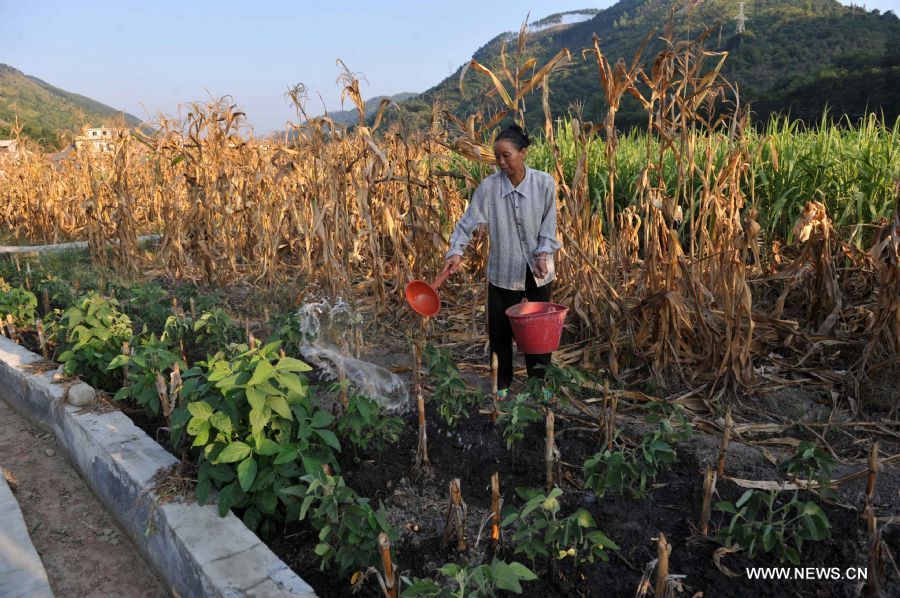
point(516, 134)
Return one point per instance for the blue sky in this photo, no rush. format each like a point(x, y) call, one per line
point(145, 57)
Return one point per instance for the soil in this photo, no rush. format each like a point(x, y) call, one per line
point(82, 548)
point(415, 504)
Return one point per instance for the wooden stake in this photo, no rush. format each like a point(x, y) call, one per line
point(46, 301)
point(252, 340)
point(42, 341)
point(662, 567)
point(709, 488)
point(193, 305)
point(11, 326)
point(723, 449)
point(870, 480)
point(163, 394)
point(604, 411)
point(175, 385)
point(611, 421)
point(392, 588)
point(549, 449)
point(422, 448)
point(456, 517)
point(495, 512)
point(494, 390)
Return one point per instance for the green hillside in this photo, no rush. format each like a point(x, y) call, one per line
point(796, 56)
point(44, 110)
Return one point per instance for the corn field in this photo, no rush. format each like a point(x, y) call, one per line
point(698, 247)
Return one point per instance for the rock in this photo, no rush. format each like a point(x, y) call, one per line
point(60, 374)
point(108, 531)
point(80, 394)
point(49, 452)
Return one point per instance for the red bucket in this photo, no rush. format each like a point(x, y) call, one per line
point(537, 326)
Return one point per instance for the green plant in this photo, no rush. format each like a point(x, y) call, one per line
point(810, 463)
point(91, 334)
point(472, 582)
point(149, 304)
point(635, 469)
point(58, 291)
point(541, 532)
point(760, 524)
point(19, 303)
point(348, 525)
point(515, 417)
point(152, 358)
point(557, 380)
point(257, 430)
point(215, 330)
point(363, 425)
point(455, 397)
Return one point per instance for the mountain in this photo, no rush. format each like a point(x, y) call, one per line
point(795, 56)
point(44, 111)
point(351, 117)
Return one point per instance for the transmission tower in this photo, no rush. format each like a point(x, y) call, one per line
point(741, 19)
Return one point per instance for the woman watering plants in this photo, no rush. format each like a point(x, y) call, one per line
point(519, 206)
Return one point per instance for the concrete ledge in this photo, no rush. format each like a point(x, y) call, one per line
point(21, 570)
point(194, 550)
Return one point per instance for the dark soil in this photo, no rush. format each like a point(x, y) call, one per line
point(415, 504)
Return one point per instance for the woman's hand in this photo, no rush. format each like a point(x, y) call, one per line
point(452, 263)
point(540, 266)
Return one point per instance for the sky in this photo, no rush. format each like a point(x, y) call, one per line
point(149, 57)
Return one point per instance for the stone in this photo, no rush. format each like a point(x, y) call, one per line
point(80, 394)
point(49, 452)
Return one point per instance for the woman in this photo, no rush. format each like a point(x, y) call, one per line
point(519, 206)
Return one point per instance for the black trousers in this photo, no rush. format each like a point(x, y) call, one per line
point(500, 332)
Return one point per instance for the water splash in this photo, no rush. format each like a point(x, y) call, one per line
point(327, 330)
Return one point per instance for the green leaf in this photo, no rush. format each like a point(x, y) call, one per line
point(246, 471)
point(505, 578)
point(233, 452)
point(221, 421)
point(280, 406)
point(322, 549)
point(289, 364)
point(256, 398)
point(267, 447)
point(261, 373)
point(118, 361)
point(287, 454)
point(321, 419)
point(200, 409)
point(522, 572)
point(292, 383)
point(258, 419)
point(329, 437)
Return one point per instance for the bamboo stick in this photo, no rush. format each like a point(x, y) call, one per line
point(456, 517)
point(495, 512)
point(662, 568)
point(390, 570)
point(709, 488)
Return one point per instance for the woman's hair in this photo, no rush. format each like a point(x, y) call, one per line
point(516, 135)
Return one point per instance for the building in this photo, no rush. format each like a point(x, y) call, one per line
point(101, 139)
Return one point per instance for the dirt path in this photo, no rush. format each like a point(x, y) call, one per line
point(83, 550)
